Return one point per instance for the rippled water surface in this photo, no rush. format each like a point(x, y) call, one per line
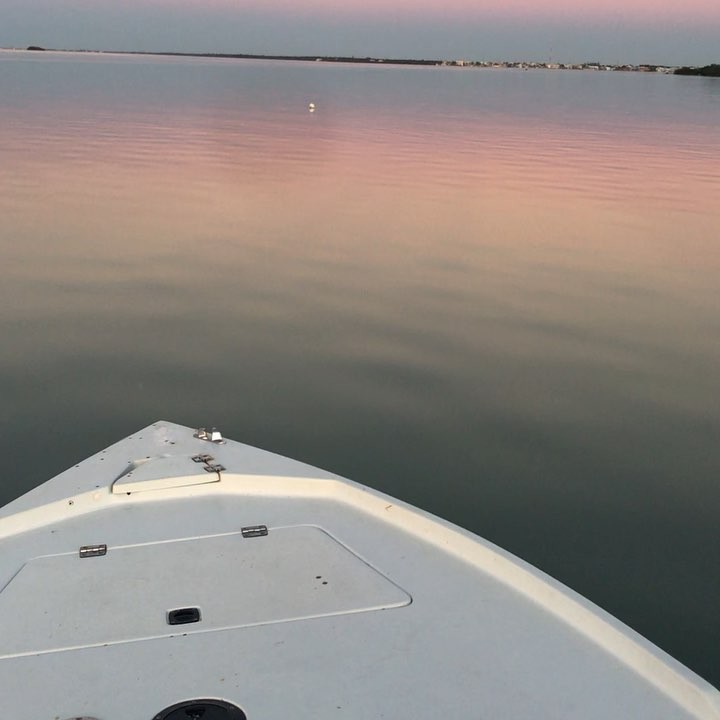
point(495, 294)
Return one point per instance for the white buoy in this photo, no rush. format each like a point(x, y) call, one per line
point(311, 107)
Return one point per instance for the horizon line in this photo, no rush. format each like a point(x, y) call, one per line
point(360, 59)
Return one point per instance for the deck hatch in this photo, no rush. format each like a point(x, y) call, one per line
point(167, 471)
point(292, 573)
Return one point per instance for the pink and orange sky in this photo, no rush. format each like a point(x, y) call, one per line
point(612, 31)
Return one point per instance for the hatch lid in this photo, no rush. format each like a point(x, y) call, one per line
point(133, 592)
point(167, 471)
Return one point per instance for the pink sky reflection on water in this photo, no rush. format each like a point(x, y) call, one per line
point(524, 184)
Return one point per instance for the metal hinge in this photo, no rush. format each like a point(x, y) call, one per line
point(87, 551)
point(252, 531)
point(214, 468)
point(210, 466)
point(202, 458)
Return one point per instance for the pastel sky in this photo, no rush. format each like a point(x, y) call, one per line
point(612, 31)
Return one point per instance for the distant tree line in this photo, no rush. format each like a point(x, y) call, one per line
point(707, 71)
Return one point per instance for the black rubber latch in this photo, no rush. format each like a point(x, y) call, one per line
point(183, 616)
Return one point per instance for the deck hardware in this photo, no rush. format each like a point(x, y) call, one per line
point(93, 551)
point(252, 531)
point(183, 616)
point(202, 458)
point(214, 468)
point(202, 708)
point(211, 435)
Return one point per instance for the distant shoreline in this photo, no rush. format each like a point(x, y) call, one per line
point(708, 70)
point(296, 58)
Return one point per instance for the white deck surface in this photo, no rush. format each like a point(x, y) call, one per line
point(354, 605)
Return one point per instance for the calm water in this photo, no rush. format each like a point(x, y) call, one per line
point(495, 294)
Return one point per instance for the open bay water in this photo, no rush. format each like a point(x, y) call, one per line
point(494, 294)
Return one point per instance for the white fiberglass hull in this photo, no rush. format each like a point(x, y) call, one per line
point(171, 569)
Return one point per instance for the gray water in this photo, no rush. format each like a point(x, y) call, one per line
point(494, 294)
